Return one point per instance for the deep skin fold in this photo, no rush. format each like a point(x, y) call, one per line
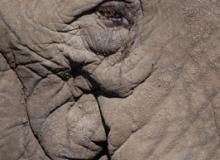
point(175, 108)
point(20, 44)
point(100, 82)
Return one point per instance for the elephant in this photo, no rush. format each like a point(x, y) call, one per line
point(109, 80)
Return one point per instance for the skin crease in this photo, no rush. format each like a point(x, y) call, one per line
point(91, 59)
point(74, 84)
point(57, 56)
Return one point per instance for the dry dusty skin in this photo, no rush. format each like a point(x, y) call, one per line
point(109, 80)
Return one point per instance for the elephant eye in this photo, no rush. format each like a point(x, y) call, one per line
point(114, 12)
point(110, 13)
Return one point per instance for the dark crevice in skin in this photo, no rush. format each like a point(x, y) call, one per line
point(59, 106)
point(104, 144)
point(104, 152)
point(142, 7)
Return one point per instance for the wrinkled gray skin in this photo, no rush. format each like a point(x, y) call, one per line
point(76, 86)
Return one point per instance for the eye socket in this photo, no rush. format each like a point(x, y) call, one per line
point(110, 13)
point(114, 14)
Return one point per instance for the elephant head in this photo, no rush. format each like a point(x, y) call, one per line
point(98, 79)
point(94, 42)
point(65, 53)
